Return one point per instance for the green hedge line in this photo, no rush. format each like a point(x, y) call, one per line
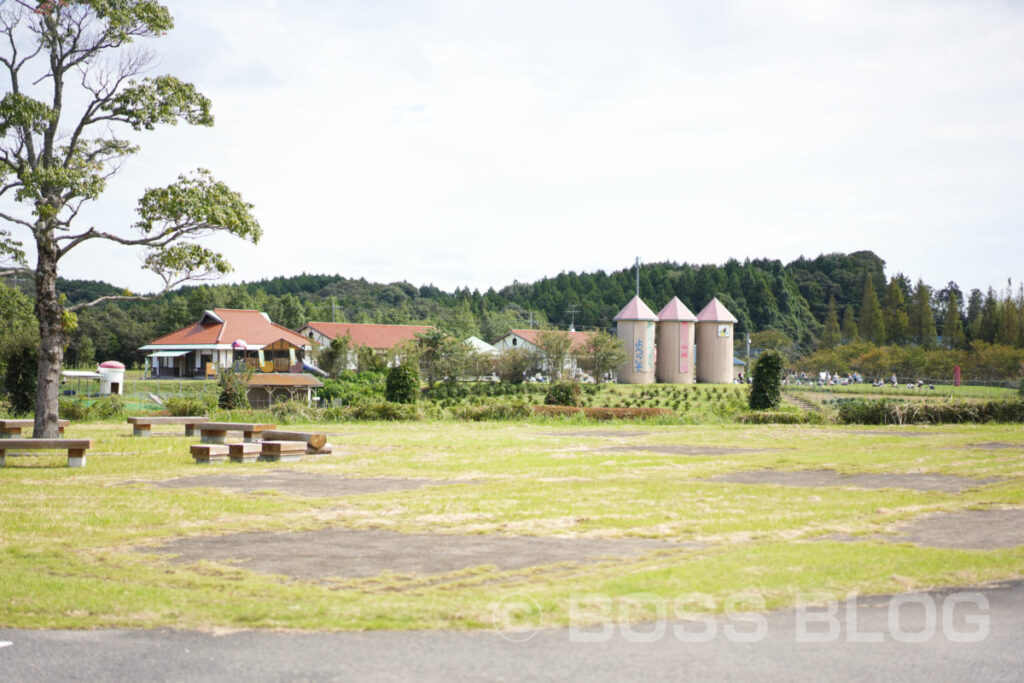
point(888, 412)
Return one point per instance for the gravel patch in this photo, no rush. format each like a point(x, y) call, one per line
point(969, 530)
point(684, 450)
point(818, 478)
point(349, 553)
point(597, 432)
point(306, 484)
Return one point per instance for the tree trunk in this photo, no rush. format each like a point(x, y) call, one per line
point(51, 336)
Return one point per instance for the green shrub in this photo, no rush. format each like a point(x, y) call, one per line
point(495, 411)
point(21, 359)
point(397, 412)
point(294, 411)
point(766, 385)
point(403, 384)
point(70, 409)
point(187, 406)
point(234, 385)
point(776, 417)
point(888, 411)
point(563, 393)
point(106, 407)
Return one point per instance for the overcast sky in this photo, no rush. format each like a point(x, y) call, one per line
point(477, 142)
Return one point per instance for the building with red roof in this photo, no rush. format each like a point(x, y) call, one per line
point(380, 338)
point(221, 337)
point(376, 337)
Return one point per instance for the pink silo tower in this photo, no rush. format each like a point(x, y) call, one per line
point(675, 336)
point(714, 343)
point(636, 332)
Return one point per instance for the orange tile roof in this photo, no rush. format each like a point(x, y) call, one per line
point(373, 336)
point(579, 339)
point(250, 326)
point(284, 379)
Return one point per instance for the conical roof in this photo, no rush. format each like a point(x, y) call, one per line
point(715, 312)
point(636, 310)
point(676, 311)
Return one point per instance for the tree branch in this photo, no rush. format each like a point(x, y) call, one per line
point(20, 221)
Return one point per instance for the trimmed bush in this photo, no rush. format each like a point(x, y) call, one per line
point(601, 414)
point(775, 417)
point(403, 385)
point(563, 393)
point(887, 411)
point(495, 411)
point(766, 385)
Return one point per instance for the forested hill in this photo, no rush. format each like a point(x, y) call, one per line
point(763, 294)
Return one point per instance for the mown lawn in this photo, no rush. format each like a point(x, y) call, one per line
point(75, 544)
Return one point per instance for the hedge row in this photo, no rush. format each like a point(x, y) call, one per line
point(602, 413)
point(890, 412)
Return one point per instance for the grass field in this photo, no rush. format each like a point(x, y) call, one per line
point(76, 546)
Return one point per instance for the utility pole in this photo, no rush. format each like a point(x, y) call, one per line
point(638, 277)
point(573, 310)
point(333, 307)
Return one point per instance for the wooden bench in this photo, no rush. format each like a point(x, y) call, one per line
point(11, 429)
point(217, 432)
point(207, 453)
point(282, 451)
point(142, 425)
point(75, 448)
point(244, 452)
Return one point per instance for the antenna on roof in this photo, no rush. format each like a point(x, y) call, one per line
point(573, 310)
point(638, 276)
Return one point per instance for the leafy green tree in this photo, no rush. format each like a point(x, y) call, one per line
point(403, 384)
point(870, 322)
point(556, 350)
point(766, 383)
point(831, 335)
point(922, 320)
point(851, 332)
point(602, 354)
point(368, 360)
point(72, 85)
point(334, 357)
point(431, 346)
point(290, 312)
point(894, 313)
point(513, 364)
point(952, 326)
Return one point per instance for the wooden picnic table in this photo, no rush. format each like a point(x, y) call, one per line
point(141, 425)
point(217, 432)
point(11, 429)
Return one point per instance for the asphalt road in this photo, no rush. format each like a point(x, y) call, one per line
point(912, 637)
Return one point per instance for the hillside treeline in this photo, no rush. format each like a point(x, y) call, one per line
point(801, 307)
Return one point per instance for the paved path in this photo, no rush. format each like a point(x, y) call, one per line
point(557, 655)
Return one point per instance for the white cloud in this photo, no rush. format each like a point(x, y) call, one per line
point(468, 143)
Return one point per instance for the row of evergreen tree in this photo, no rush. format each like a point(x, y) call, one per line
point(920, 315)
point(814, 303)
